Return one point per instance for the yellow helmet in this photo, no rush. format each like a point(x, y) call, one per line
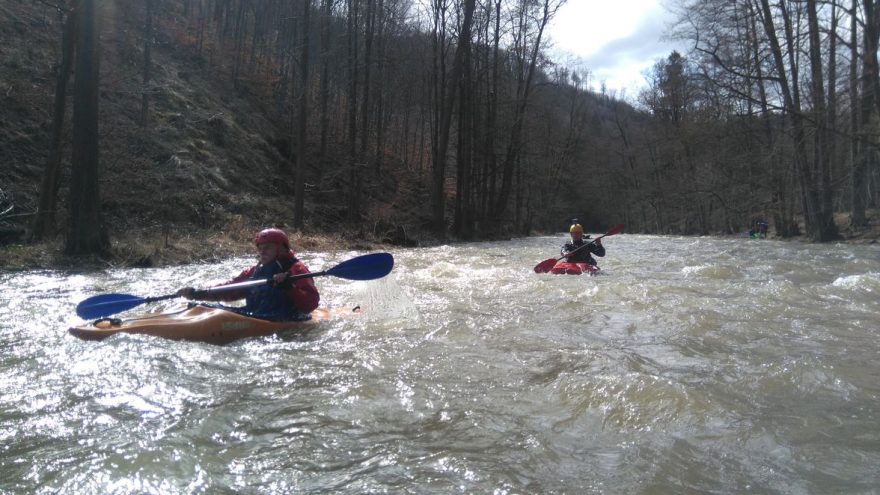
point(576, 228)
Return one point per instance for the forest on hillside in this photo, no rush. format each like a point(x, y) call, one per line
point(395, 116)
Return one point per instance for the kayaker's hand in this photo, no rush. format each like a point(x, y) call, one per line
point(280, 281)
point(186, 292)
point(598, 242)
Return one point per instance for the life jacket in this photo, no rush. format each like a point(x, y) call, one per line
point(268, 302)
point(584, 255)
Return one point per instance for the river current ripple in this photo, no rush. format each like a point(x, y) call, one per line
point(691, 365)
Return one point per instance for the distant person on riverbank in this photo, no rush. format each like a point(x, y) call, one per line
point(281, 299)
point(578, 240)
point(759, 231)
point(762, 229)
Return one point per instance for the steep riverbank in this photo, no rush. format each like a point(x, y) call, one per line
point(155, 249)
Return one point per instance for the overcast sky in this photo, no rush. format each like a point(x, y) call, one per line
point(616, 40)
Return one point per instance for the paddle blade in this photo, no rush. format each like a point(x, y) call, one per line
point(106, 305)
point(615, 229)
point(366, 267)
point(546, 265)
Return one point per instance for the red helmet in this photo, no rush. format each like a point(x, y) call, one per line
point(276, 236)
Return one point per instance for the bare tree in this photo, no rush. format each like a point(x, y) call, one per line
point(148, 51)
point(85, 230)
point(302, 121)
point(464, 214)
point(865, 109)
point(526, 50)
point(355, 179)
point(45, 218)
point(444, 89)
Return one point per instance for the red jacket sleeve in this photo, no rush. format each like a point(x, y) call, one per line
point(304, 294)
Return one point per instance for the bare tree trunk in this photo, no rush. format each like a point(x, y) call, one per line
point(369, 35)
point(444, 90)
point(148, 47)
point(354, 178)
point(865, 155)
point(326, 14)
point(302, 122)
point(858, 184)
point(239, 44)
point(831, 118)
point(491, 173)
point(779, 192)
point(85, 234)
point(872, 40)
point(821, 183)
point(380, 93)
point(44, 220)
point(819, 221)
point(802, 170)
point(464, 218)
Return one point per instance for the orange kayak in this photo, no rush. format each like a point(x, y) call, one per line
point(201, 324)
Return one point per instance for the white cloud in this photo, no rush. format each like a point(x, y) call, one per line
point(617, 41)
point(583, 27)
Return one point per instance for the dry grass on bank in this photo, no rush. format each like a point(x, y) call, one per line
point(164, 247)
point(153, 249)
point(868, 235)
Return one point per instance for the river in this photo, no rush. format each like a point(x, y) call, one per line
point(690, 365)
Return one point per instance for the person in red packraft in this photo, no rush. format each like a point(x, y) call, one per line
point(279, 300)
point(578, 241)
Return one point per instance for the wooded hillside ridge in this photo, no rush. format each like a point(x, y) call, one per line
point(363, 123)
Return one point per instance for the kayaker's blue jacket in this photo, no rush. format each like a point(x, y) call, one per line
point(584, 255)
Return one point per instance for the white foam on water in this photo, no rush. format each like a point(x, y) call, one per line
point(869, 282)
point(383, 299)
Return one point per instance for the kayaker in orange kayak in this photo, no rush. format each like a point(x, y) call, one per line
point(577, 241)
point(280, 300)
